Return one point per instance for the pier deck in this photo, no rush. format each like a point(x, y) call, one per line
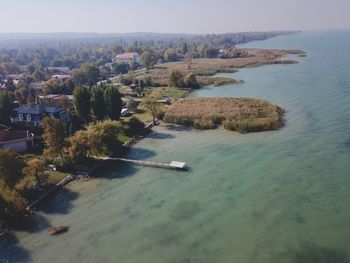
point(174, 165)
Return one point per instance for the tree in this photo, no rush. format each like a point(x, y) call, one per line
point(113, 102)
point(36, 168)
point(79, 146)
point(184, 48)
point(120, 68)
point(171, 55)
point(98, 103)
point(5, 107)
point(190, 81)
point(52, 86)
point(38, 74)
point(103, 137)
point(11, 166)
point(147, 59)
point(81, 97)
point(86, 74)
point(176, 79)
point(53, 135)
point(211, 52)
point(132, 104)
point(151, 103)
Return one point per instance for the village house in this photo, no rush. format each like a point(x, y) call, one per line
point(17, 140)
point(32, 115)
point(127, 58)
point(61, 77)
point(59, 69)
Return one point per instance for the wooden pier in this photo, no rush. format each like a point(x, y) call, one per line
point(174, 165)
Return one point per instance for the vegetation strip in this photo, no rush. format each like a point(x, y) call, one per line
point(237, 114)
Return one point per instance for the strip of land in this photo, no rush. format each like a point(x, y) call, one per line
point(206, 68)
point(237, 114)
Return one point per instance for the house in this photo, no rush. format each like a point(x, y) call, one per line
point(61, 77)
point(10, 84)
point(32, 115)
point(17, 140)
point(127, 58)
point(60, 69)
point(57, 100)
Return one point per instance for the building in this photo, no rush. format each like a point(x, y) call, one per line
point(57, 100)
point(127, 58)
point(60, 69)
point(61, 77)
point(17, 140)
point(32, 115)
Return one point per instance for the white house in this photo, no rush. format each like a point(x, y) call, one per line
point(127, 57)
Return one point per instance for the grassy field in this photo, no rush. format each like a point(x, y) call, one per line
point(211, 66)
point(237, 114)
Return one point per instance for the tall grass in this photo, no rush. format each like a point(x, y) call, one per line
point(237, 114)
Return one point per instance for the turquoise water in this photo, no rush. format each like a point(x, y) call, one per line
point(280, 196)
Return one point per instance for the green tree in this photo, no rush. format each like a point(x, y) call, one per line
point(54, 135)
point(132, 104)
point(81, 97)
point(5, 107)
point(211, 52)
point(176, 78)
point(184, 48)
point(191, 82)
point(120, 68)
point(36, 168)
point(103, 137)
point(113, 102)
point(39, 74)
point(87, 74)
point(98, 103)
point(11, 166)
point(147, 59)
point(171, 55)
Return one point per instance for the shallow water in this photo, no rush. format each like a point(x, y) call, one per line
point(278, 196)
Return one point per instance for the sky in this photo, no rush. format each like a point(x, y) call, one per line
point(175, 16)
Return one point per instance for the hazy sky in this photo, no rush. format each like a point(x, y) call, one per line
point(176, 16)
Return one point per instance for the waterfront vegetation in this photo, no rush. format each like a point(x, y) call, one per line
point(237, 114)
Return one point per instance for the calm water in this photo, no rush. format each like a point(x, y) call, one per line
point(279, 196)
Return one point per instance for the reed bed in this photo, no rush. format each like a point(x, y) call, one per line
point(237, 114)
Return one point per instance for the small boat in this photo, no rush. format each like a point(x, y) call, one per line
point(58, 230)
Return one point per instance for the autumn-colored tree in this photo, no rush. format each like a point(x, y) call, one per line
point(79, 146)
point(36, 168)
point(53, 135)
point(151, 103)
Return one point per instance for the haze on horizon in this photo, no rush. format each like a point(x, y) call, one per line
point(175, 16)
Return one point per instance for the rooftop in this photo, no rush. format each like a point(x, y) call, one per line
point(128, 55)
point(37, 109)
point(7, 135)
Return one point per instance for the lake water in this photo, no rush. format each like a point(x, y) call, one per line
point(280, 196)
